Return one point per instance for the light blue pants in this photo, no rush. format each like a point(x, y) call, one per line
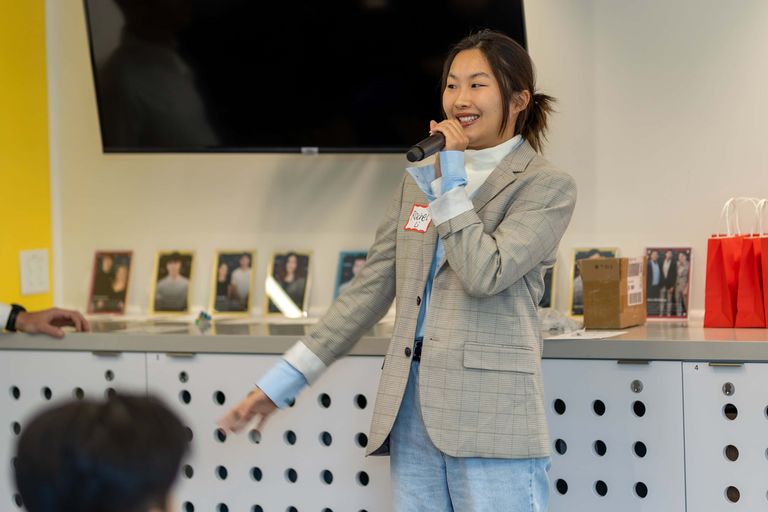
point(426, 480)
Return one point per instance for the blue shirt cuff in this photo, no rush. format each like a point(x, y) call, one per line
point(452, 170)
point(282, 383)
point(424, 176)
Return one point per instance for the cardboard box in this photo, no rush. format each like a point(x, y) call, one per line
point(614, 292)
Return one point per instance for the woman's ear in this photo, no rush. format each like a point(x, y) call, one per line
point(520, 101)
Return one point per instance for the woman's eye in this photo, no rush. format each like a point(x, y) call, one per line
point(450, 86)
point(478, 85)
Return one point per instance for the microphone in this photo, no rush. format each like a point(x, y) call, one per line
point(427, 147)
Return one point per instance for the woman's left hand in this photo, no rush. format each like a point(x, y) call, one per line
point(455, 138)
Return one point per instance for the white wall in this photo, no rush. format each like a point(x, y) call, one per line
point(661, 106)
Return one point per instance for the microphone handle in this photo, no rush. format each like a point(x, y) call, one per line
point(426, 147)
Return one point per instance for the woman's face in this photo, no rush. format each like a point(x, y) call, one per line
point(223, 269)
point(290, 264)
point(473, 97)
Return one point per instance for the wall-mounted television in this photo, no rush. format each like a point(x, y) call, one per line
point(279, 75)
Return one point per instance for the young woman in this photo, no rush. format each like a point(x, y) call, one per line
point(464, 247)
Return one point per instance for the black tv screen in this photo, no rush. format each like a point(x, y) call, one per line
point(277, 76)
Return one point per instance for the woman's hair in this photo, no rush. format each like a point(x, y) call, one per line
point(513, 69)
point(282, 269)
point(121, 455)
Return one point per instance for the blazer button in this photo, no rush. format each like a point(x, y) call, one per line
point(407, 351)
point(418, 301)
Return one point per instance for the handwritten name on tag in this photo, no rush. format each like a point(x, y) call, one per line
point(419, 219)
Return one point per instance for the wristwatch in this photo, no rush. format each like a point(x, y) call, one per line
point(10, 325)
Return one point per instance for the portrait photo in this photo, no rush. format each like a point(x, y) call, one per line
point(109, 281)
point(350, 263)
point(668, 281)
point(232, 290)
point(173, 273)
point(287, 285)
point(547, 300)
point(577, 285)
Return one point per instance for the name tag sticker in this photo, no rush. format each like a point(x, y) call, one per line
point(419, 219)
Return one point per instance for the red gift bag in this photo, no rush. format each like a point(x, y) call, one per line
point(764, 268)
point(750, 305)
point(723, 258)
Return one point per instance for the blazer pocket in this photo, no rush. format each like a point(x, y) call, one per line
point(508, 358)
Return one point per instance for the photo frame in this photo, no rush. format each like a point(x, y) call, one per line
point(350, 263)
point(287, 284)
point(171, 283)
point(233, 282)
point(110, 280)
point(576, 303)
point(668, 281)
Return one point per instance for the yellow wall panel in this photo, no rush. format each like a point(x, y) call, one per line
point(25, 199)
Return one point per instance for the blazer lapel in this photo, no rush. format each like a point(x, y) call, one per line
point(507, 171)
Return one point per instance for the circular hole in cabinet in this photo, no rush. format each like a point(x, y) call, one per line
point(361, 402)
point(78, 393)
point(219, 397)
point(289, 437)
point(222, 472)
point(641, 490)
point(256, 474)
point(732, 494)
point(16, 427)
point(110, 393)
point(324, 400)
point(188, 471)
point(730, 411)
point(561, 446)
point(599, 407)
point(638, 408)
point(326, 438)
point(601, 488)
point(731, 453)
point(17, 500)
point(559, 406)
point(640, 449)
point(361, 440)
point(766, 412)
point(636, 386)
point(13, 463)
point(326, 509)
point(188, 507)
point(220, 435)
point(291, 475)
point(561, 486)
point(257, 508)
point(600, 448)
point(47, 393)
point(185, 396)
point(255, 436)
point(183, 377)
point(291, 509)
point(729, 389)
point(15, 392)
point(109, 375)
point(222, 507)
point(190, 434)
point(363, 478)
point(326, 476)
point(291, 402)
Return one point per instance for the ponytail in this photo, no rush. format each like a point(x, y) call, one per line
point(532, 122)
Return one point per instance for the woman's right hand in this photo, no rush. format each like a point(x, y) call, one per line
point(255, 404)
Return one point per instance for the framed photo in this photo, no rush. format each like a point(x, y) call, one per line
point(287, 285)
point(577, 285)
point(170, 287)
point(109, 282)
point(668, 281)
point(547, 300)
point(350, 263)
point(233, 277)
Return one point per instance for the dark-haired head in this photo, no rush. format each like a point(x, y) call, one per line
point(121, 455)
point(513, 70)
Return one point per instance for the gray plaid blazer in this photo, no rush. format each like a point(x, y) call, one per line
point(480, 382)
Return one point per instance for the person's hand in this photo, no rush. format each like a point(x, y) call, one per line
point(455, 138)
point(50, 322)
point(255, 404)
